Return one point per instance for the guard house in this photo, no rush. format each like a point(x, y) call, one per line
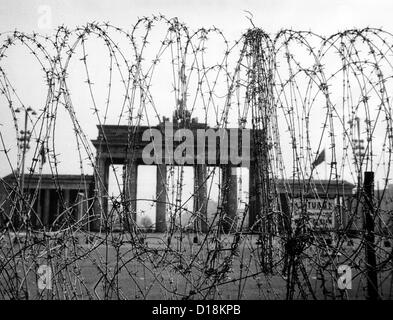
point(52, 201)
point(327, 203)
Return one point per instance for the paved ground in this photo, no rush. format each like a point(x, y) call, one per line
point(150, 269)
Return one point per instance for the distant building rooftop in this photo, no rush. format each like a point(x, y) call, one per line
point(49, 181)
point(315, 186)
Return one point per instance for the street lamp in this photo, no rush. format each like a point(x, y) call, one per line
point(358, 149)
point(24, 138)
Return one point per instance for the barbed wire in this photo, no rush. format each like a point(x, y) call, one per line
point(302, 94)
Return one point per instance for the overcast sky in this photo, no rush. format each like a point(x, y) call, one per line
point(272, 15)
point(322, 17)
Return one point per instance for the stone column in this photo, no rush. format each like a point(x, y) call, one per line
point(131, 192)
point(101, 201)
point(254, 203)
point(39, 218)
point(200, 200)
point(46, 213)
point(82, 206)
point(66, 199)
point(58, 207)
point(161, 190)
point(229, 181)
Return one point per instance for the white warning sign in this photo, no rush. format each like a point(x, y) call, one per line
point(319, 213)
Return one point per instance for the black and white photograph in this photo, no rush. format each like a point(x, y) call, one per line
point(196, 151)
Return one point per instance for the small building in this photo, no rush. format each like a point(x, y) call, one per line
point(51, 201)
point(326, 204)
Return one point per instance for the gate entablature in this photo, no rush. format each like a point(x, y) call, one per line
point(201, 146)
point(121, 142)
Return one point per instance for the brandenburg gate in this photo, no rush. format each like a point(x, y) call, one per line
point(127, 145)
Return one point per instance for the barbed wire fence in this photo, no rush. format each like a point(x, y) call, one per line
point(302, 93)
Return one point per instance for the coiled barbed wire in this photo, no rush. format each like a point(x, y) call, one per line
point(301, 93)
